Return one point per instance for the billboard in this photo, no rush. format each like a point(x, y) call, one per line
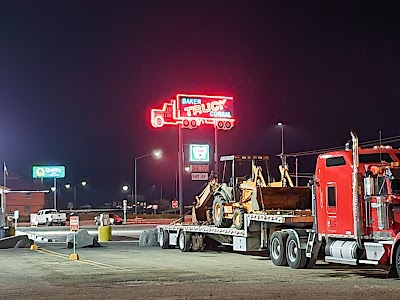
point(48, 171)
point(199, 152)
point(205, 107)
point(191, 111)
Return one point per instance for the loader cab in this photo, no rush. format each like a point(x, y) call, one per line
point(239, 168)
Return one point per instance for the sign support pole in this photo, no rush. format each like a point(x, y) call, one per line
point(55, 193)
point(216, 151)
point(180, 167)
point(74, 243)
point(74, 227)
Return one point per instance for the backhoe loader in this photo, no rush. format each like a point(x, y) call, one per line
point(243, 189)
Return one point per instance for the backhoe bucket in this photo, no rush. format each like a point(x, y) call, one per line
point(283, 198)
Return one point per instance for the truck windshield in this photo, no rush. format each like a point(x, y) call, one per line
point(395, 182)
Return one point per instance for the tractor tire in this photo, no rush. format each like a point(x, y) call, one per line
point(296, 257)
point(238, 218)
point(277, 248)
point(184, 241)
point(164, 239)
point(218, 213)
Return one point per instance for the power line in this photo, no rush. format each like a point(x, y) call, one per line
point(389, 140)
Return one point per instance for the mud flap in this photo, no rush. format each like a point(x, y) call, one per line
point(392, 273)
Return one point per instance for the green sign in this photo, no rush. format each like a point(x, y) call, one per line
point(199, 152)
point(48, 171)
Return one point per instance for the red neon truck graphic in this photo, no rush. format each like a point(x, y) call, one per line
point(193, 110)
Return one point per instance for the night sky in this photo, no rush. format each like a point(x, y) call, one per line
point(78, 78)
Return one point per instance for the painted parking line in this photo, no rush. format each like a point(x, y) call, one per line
point(85, 261)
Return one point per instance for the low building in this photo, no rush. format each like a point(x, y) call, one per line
point(24, 195)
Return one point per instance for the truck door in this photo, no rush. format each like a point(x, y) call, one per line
point(326, 200)
point(338, 195)
point(334, 191)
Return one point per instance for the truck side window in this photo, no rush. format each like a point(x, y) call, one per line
point(335, 161)
point(331, 196)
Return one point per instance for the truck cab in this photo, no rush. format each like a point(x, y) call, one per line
point(357, 199)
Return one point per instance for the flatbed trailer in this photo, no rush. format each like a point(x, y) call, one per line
point(254, 235)
point(349, 213)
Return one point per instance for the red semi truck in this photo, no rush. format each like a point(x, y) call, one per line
point(354, 218)
point(193, 110)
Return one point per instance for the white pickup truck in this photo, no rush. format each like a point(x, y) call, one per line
point(48, 217)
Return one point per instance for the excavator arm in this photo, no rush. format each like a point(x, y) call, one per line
point(199, 209)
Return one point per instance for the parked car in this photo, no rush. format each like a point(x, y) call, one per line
point(114, 219)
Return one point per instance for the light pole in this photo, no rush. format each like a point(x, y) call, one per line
point(54, 190)
point(68, 186)
point(126, 188)
point(281, 125)
point(283, 157)
point(156, 154)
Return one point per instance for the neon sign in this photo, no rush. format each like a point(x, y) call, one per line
point(193, 110)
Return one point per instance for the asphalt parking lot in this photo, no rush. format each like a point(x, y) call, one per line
point(123, 270)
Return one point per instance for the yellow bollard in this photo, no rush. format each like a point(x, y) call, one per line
point(74, 256)
point(104, 233)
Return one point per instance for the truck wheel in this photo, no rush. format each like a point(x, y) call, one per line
point(237, 218)
point(277, 248)
point(218, 213)
point(163, 239)
point(184, 241)
point(296, 257)
point(397, 261)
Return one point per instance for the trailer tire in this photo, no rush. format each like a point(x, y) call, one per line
point(277, 248)
point(296, 257)
point(184, 241)
point(218, 213)
point(237, 218)
point(163, 239)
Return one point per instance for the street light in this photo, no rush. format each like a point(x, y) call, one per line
point(156, 154)
point(283, 157)
point(54, 190)
point(68, 186)
point(281, 125)
point(124, 202)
